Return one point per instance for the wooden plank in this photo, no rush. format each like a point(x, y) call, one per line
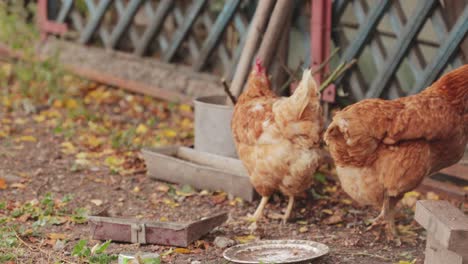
point(457, 170)
point(153, 232)
point(446, 190)
point(366, 30)
point(65, 10)
point(196, 168)
point(155, 25)
point(184, 29)
point(445, 53)
point(444, 222)
point(95, 21)
point(401, 47)
point(124, 22)
point(436, 253)
point(216, 31)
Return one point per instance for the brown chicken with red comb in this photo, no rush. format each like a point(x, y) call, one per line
point(278, 138)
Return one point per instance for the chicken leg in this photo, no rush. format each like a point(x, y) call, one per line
point(259, 212)
point(287, 214)
point(387, 216)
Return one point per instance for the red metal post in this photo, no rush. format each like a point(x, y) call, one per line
point(320, 33)
point(45, 25)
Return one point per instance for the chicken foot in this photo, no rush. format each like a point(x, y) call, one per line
point(259, 212)
point(287, 214)
point(387, 216)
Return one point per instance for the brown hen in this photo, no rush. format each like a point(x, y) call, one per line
point(383, 149)
point(277, 138)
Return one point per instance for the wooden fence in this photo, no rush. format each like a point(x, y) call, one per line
point(208, 35)
point(401, 46)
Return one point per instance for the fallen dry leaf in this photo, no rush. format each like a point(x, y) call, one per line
point(3, 184)
point(219, 198)
point(162, 188)
point(245, 239)
point(97, 202)
point(182, 251)
point(26, 139)
point(303, 229)
point(336, 218)
point(141, 129)
point(18, 185)
point(56, 236)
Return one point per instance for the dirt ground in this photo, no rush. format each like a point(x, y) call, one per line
point(39, 166)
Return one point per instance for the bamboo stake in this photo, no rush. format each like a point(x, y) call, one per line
point(257, 27)
point(272, 36)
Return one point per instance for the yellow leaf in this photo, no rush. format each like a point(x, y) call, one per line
point(26, 139)
point(3, 134)
point(39, 118)
point(245, 239)
point(186, 123)
point(3, 184)
point(302, 222)
point(6, 101)
point(182, 250)
point(68, 148)
point(57, 103)
point(303, 229)
point(346, 201)
point(185, 108)
point(71, 103)
point(141, 129)
point(20, 121)
point(327, 211)
point(18, 185)
point(163, 219)
point(432, 196)
point(93, 141)
point(7, 69)
point(97, 202)
point(412, 194)
point(52, 113)
point(56, 236)
point(170, 203)
point(465, 188)
point(6, 121)
point(406, 262)
point(113, 161)
point(170, 133)
point(137, 140)
point(136, 189)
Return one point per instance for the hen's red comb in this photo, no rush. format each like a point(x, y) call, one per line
point(258, 65)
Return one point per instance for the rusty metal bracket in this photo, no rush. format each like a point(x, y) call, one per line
point(138, 233)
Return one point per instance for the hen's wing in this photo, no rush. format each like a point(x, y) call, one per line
point(424, 117)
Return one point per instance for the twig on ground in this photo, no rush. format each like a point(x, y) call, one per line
point(35, 249)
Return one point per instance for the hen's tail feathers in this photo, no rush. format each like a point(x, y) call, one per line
point(304, 93)
point(453, 84)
